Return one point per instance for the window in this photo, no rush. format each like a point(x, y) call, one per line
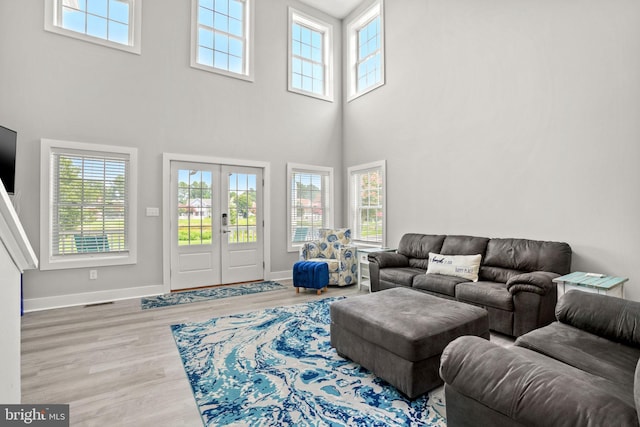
point(310, 190)
point(112, 23)
point(195, 204)
point(310, 56)
point(221, 37)
point(366, 51)
point(367, 203)
point(88, 214)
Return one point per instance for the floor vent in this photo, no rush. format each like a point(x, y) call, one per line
point(98, 304)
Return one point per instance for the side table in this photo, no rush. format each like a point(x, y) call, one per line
point(363, 264)
point(589, 282)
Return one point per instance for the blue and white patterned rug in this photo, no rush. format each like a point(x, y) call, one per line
point(209, 293)
point(276, 367)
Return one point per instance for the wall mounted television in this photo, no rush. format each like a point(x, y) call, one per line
point(8, 140)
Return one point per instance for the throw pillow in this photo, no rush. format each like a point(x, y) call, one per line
point(465, 266)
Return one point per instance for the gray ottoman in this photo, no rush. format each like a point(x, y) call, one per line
point(399, 334)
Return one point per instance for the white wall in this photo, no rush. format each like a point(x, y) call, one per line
point(506, 118)
point(9, 329)
point(57, 87)
point(500, 118)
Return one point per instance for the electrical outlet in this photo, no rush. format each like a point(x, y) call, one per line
point(93, 274)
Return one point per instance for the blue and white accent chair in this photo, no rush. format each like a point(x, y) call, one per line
point(334, 248)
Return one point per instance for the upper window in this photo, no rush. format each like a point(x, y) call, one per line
point(221, 37)
point(88, 215)
point(367, 203)
point(113, 23)
point(310, 190)
point(366, 51)
point(310, 56)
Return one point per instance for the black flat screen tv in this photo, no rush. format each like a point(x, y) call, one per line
point(8, 140)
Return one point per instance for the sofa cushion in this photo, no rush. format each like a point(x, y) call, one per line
point(585, 351)
point(497, 274)
point(438, 283)
point(402, 276)
point(333, 264)
point(619, 391)
point(465, 266)
point(609, 317)
point(525, 256)
point(489, 294)
point(416, 247)
point(464, 245)
point(341, 235)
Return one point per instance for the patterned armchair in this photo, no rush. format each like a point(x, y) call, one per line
point(334, 248)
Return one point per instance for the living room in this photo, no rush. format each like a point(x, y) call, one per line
point(495, 119)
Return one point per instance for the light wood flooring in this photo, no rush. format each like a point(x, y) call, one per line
point(118, 365)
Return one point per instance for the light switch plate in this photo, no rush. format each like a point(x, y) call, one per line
point(153, 211)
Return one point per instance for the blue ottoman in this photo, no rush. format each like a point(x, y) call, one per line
point(311, 275)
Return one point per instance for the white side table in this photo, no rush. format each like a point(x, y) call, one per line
point(363, 265)
point(587, 282)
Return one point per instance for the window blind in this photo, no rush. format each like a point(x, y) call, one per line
point(309, 205)
point(89, 201)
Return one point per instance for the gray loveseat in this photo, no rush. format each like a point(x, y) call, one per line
point(581, 370)
point(515, 279)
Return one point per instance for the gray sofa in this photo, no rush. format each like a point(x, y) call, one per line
point(581, 370)
point(515, 280)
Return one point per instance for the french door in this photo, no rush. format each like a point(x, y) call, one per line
point(216, 224)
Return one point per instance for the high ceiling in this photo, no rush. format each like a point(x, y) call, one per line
point(336, 8)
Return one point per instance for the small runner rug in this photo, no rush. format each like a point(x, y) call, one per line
point(209, 293)
point(276, 367)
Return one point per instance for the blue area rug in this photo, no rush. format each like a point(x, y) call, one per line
point(209, 293)
point(276, 367)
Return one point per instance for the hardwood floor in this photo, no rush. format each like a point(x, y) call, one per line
point(118, 365)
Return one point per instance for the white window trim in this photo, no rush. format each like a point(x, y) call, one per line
point(360, 19)
point(297, 167)
point(47, 261)
point(248, 73)
point(51, 24)
point(351, 172)
point(296, 16)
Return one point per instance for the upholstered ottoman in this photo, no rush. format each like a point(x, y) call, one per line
point(399, 334)
point(310, 274)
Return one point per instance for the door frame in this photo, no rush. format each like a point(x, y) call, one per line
point(167, 158)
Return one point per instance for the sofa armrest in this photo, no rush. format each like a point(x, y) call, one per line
point(389, 259)
point(538, 282)
point(529, 393)
point(636, 389)
point(612, 318)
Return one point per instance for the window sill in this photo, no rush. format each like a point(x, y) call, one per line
point(364, 92)
point(213, 70)
point(87, 261)
point(135, 49)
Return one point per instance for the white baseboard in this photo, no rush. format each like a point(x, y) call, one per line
point(60, 301)
point(281, 275)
